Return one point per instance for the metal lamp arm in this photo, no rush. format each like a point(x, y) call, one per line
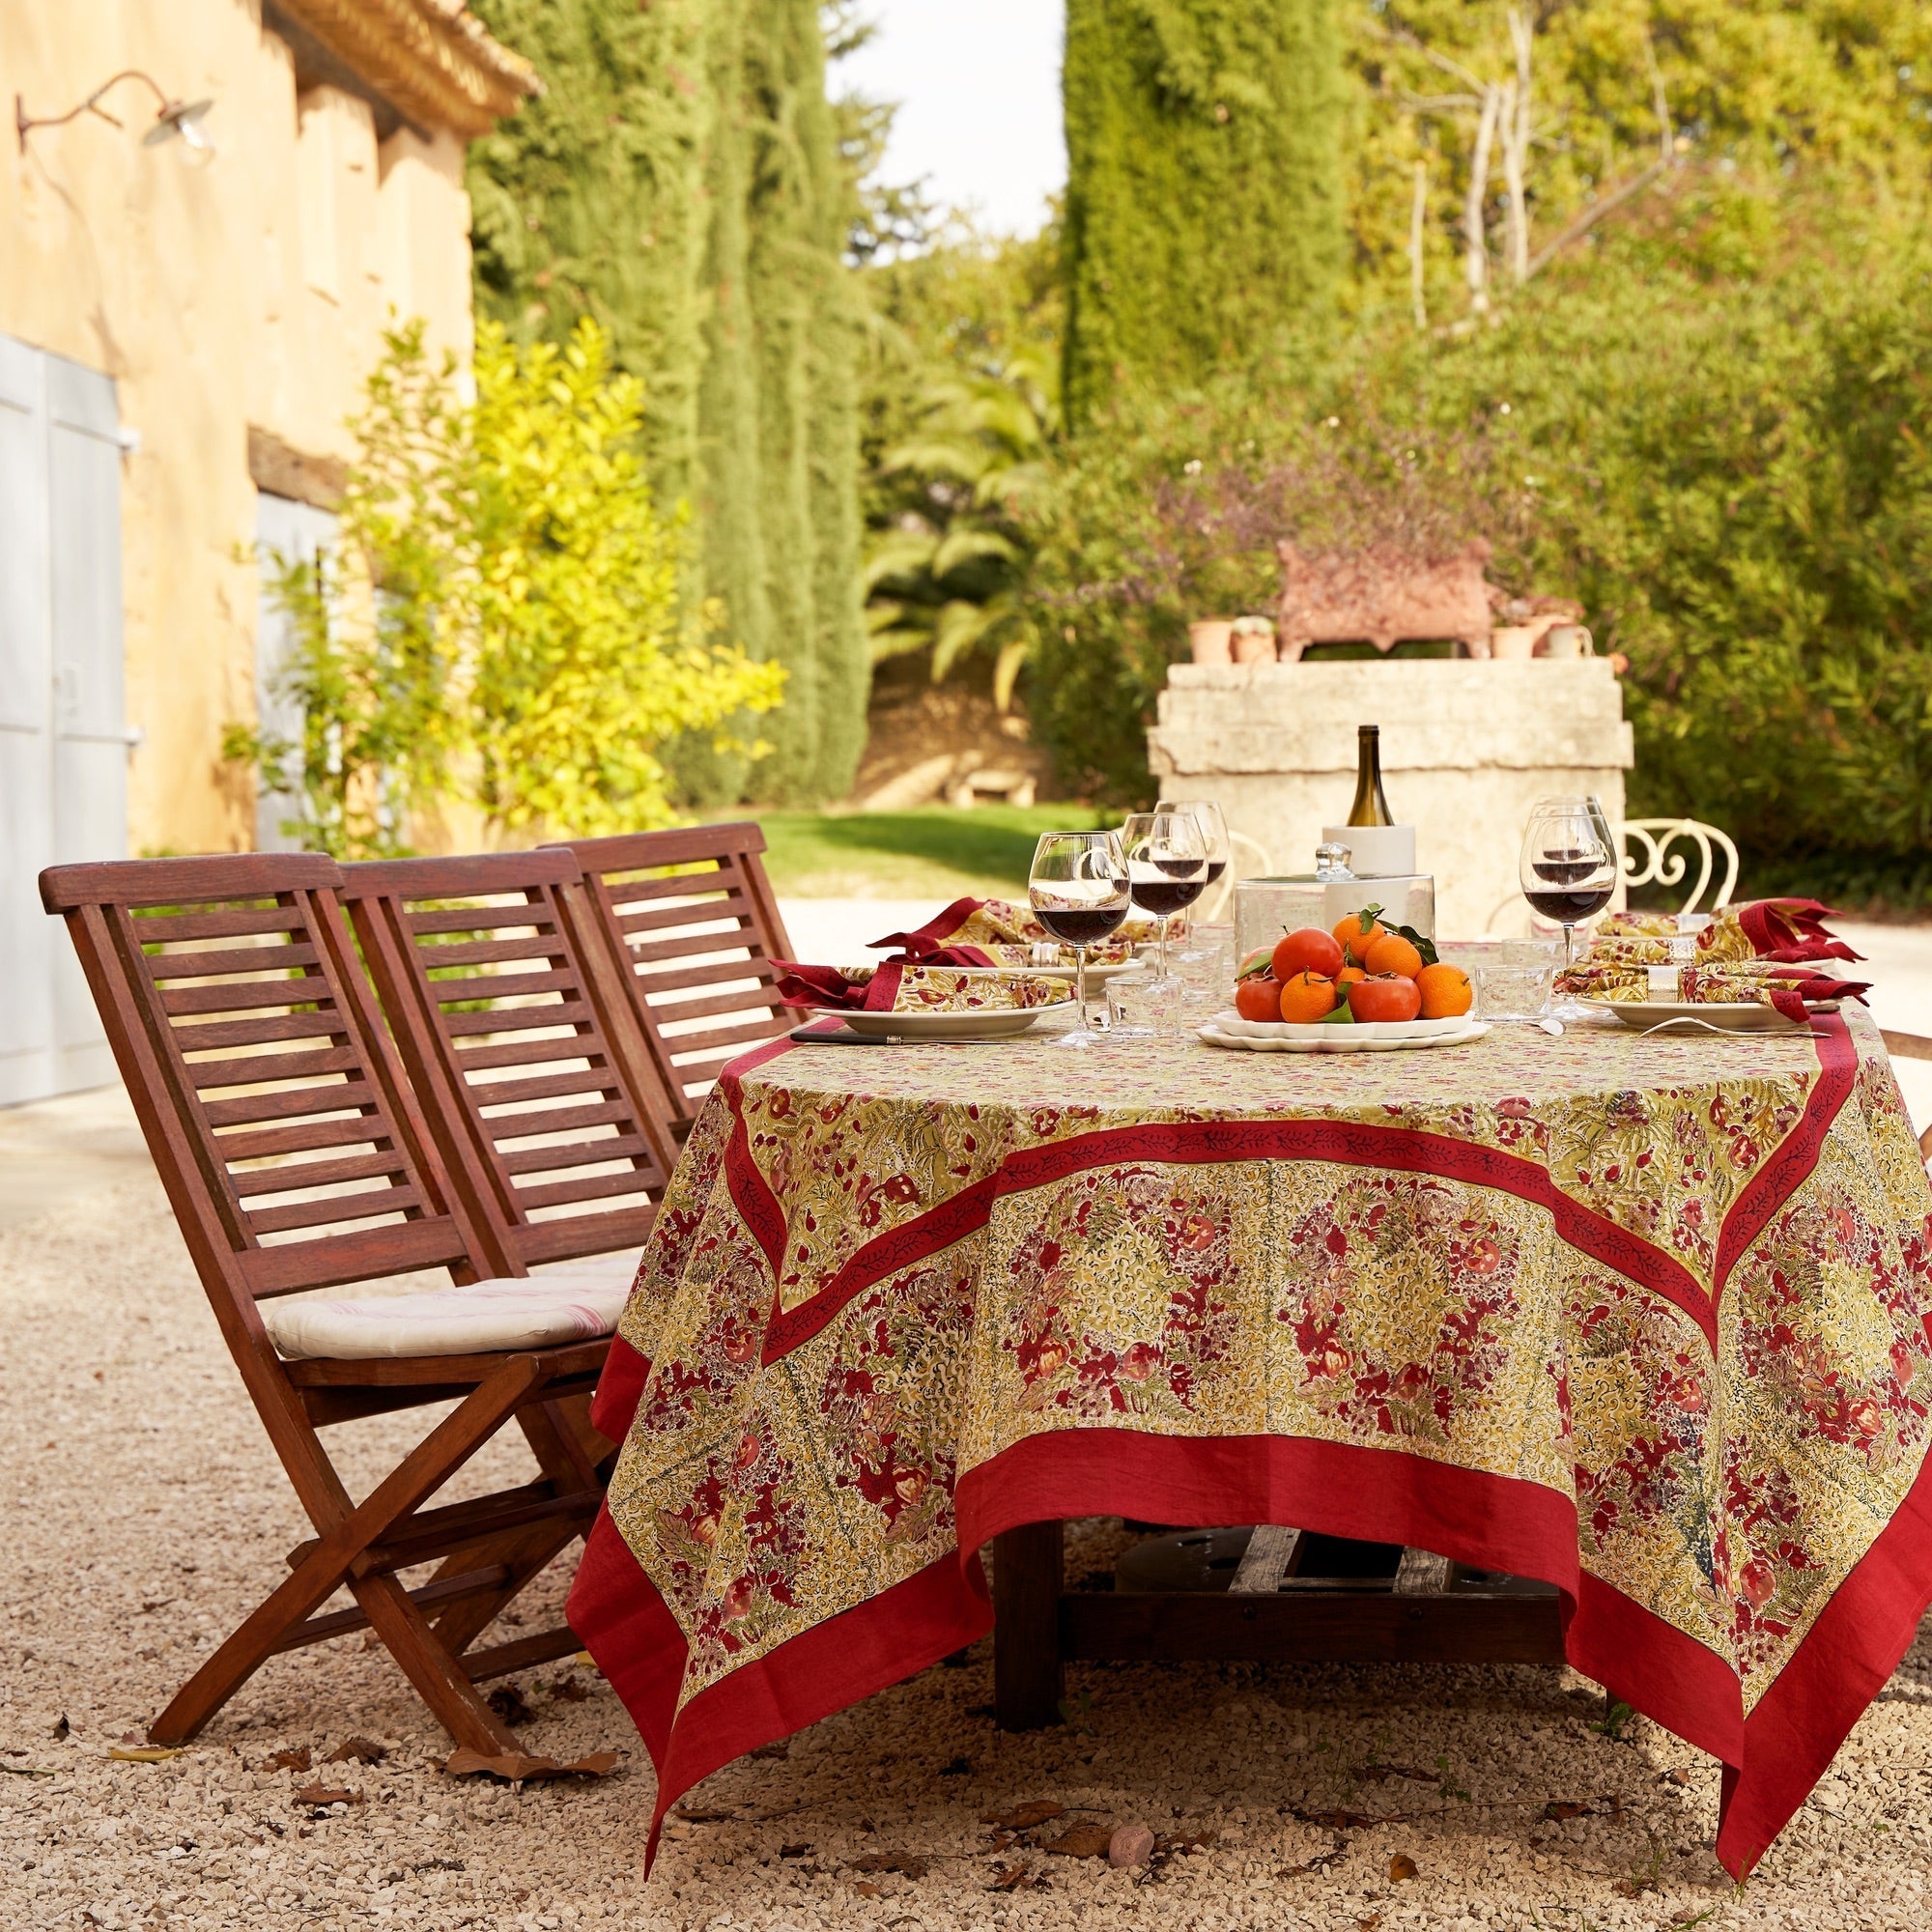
point(24, 123)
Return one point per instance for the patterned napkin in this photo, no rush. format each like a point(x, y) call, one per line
point(902, 987)
point(1785, 930)
point(1788, 986)
point(996, 932)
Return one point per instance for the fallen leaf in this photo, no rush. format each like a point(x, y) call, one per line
point(146, 1753)
point(1082, 1841)
point(26, 1770)
point(1624, 1888)
point(568, 1691)
point(323, 1794)
point(1368, 1922)
point(1172, 1844)
point(1009, 1878)
point(865, 1889)
point(358, 1750)
point(911, 1865)
point(1402, 1868)
point(1560, 1808)
point(1678, 1777)
point(797, 1851)
point(1346, 1821)
point(1381, 1773)
point(957, 1767)
point(1024, 1817)
point(518, 1767)
point(509, 1704)
point(289, 1760)
point(777, 1747)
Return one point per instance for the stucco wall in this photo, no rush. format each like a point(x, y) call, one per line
point(249, 286)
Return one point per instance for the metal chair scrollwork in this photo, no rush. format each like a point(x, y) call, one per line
point(1648, 859)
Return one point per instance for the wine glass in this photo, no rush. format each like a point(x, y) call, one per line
point(1078, 889)
point(1568, 872)
point(1213, 830)
point(1167, 867)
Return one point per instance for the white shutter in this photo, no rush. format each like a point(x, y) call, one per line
point(63, 725)
point(27, 936)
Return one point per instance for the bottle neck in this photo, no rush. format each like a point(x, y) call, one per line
point(1370, 805)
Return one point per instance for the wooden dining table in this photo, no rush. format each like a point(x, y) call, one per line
point(1648, 1319)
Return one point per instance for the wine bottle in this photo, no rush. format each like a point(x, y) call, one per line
point(1370, 805)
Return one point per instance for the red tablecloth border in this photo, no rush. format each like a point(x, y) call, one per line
point(1346, 1142)
point(1771, 1759)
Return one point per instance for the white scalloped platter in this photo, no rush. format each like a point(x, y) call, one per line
point(1229, 1030)
point(978, 1023)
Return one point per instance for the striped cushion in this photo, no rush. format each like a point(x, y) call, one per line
point(539, 1311)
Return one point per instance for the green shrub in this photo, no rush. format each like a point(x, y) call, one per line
point(1731, 471)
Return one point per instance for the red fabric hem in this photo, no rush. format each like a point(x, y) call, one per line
point(1843, 1663)
point(619, 1390)
point(629, 1630)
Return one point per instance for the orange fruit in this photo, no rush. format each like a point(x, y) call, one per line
point(1309, 950)
point(1385, 996)
point(1306, 998)
point(1446, 990)
point(1348, 975)
point(1258, 999)
point(1393, 954)
point(1353, 941)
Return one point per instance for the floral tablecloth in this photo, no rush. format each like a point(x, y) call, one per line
point(1644, 1317)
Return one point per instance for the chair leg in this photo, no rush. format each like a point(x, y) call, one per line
point(558, 1448)
point(441, 1681)
point(420, 1474)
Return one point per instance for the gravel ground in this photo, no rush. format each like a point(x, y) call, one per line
point(143, 1511)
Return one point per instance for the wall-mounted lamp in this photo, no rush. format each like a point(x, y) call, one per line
point(173, 116)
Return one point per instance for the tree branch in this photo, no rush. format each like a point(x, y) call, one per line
point(1607, 204)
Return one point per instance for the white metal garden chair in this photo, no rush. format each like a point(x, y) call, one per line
point(1648, 860)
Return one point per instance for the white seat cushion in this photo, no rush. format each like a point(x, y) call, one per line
point(539, 1311)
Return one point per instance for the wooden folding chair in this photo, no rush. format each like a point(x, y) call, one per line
point(296, 1157)
point(692, 913)
point(1910, 1047)
point(518, 1033)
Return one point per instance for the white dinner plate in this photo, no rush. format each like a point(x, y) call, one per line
point(1097, 974)
point(980, 1023)
point(1641, 1015)
point(1381, 1037)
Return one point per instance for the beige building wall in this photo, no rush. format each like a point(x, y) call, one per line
point(246, 287)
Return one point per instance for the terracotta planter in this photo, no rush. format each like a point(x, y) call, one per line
point(1208, 638)
point(1252, 641)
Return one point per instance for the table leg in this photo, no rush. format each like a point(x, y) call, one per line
point(1026, 1627)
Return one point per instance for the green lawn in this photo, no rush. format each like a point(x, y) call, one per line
point(934, 852)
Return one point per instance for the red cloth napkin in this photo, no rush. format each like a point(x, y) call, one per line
point(1792, 930)
point(827, 986)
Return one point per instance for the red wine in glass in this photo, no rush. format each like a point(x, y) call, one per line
point(1560, 893)
point(1083, 925)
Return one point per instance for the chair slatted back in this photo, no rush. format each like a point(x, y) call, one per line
point(534, 1077)
point(694, 914)
point(288, 1139)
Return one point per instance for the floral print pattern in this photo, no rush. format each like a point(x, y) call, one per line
point(1685, 1284)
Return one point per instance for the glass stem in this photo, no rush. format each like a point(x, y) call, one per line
point(1080, 987)
point(1161, 922)
point(1569, 947)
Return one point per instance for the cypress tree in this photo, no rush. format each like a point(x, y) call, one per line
point(590, 201)
point(1204, 199)
point(681, 180)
